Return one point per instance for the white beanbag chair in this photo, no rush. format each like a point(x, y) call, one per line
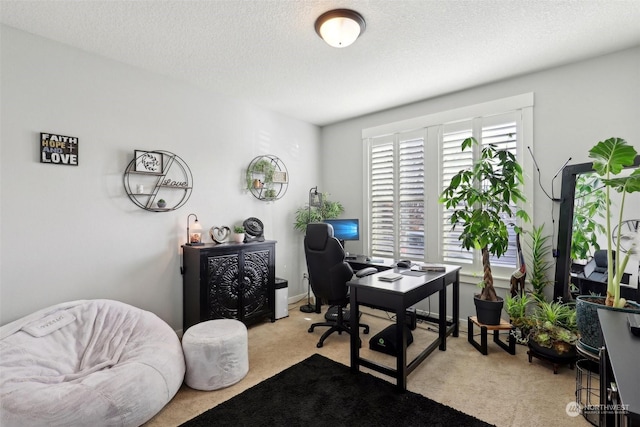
point(87, 363)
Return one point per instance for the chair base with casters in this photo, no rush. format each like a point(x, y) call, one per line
point(338, 319)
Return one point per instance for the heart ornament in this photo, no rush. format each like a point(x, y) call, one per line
point(220, 234)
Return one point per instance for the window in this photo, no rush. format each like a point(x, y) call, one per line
point(408, 164)
point(397, 197)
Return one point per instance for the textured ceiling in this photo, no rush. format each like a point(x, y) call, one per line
point(267, 52)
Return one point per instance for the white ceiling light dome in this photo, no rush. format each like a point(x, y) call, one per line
point(340, 27)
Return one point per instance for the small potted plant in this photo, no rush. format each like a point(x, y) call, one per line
point(238, 234)
point(162, 203)
point(517, 309)
point(554, 333)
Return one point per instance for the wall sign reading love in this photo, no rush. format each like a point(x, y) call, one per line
point(58, 149)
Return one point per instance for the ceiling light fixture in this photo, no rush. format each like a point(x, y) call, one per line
point(340, 27)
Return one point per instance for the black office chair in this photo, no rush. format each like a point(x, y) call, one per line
point(594, 278)
point(597, 268)
point(328, 276)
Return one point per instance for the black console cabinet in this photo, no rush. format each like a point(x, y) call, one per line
point(229, 280)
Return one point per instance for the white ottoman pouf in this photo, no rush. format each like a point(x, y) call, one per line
point(216, 353)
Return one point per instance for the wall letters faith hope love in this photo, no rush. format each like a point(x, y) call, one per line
point(58, 149)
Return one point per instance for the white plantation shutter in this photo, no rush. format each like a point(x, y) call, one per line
point(382, 200)
point(454, 160)
point(503, 134)
point(397, 197)
point(411, 202)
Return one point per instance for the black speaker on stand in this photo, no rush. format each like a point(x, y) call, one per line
point(308, 308)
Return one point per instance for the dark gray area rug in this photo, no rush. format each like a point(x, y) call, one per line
point(321, 392)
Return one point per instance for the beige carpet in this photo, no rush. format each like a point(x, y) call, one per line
point(498, 388)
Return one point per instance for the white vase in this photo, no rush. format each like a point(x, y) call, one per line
point(238, 237)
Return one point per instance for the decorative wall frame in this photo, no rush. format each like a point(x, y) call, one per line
point(58, 149)
point(165, 190)
point(148, 161)
point(280, 177)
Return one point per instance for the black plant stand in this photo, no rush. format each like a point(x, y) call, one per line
point(482, 347)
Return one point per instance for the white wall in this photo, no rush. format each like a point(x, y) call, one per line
point(575, 107)
point(72, 233)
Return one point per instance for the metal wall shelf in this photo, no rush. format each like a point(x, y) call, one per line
point(267, 178)
point(176, 196)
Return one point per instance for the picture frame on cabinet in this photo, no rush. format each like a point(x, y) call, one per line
point(148, 161)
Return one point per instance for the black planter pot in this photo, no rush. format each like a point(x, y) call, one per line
point(552, 356)
point(589, 323)
point(488, 312)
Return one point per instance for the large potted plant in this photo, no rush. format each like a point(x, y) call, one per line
point(481, 196)
point(306, 214)
point(610, 158)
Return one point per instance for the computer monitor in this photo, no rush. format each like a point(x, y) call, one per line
point(345, 229)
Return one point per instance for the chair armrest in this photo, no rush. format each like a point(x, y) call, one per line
point(366, 271)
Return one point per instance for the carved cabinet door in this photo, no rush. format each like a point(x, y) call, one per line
point(238, 282)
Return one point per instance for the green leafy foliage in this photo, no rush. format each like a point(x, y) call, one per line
point(588, 213)
point(263, 167)
point(539, 251)
point(554, 325)
point(329, 210)
point(556, 313)
point(610, 158)
point(516, 307)
point(480, 197)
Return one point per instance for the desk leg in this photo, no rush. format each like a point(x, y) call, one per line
point(401, 352)
point(442, 327)
point(456, 305)
point(355, 330)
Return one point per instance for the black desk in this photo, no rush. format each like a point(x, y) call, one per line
point(397, 297)
point(358, 262)
point(620, 364)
